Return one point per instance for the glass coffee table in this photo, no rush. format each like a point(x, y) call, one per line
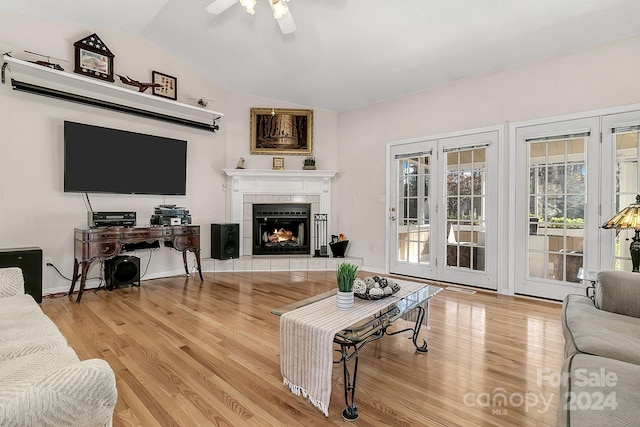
point(351, 340)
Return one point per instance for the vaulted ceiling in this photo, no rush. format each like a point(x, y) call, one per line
point(350, 53)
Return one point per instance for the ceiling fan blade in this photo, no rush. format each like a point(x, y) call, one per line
point(219, 6)
point(286, 23)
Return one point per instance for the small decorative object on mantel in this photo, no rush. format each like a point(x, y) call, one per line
point(309, 163)
point(345, 275)
point(278, 163)
point(375, 287)
point(202, 101)
point(338, 245)
point(168, 85)
point(141, 86)
point(240, 164)
point(93, 58)
point(46, 63)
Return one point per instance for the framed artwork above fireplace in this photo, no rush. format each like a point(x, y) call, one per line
point(281, 131)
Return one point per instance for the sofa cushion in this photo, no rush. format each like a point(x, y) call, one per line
point(618, 292)
point(590, 330)
point(53, 388)
point(25, 329)
point(11, 282)
point(597, 391)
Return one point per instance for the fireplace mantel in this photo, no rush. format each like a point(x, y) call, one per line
point(247, 186)
point(270, 173)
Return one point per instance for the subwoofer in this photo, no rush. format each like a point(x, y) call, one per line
point(122, 270)
point(225, 241)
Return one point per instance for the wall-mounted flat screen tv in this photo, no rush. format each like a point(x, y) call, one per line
point(103, 160)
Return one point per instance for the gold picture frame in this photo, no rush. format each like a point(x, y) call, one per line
point(278, 163)
point(281, 131)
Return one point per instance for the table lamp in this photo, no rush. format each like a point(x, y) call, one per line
point(628, 218)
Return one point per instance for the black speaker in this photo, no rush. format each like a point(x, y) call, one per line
point(122, 270)
point(225, 241)
point(30, 261)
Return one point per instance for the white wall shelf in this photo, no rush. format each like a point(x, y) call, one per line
point(40, 80)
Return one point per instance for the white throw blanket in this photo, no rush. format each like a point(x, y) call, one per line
point(306, 342)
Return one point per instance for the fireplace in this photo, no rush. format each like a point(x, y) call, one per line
point(281, 229)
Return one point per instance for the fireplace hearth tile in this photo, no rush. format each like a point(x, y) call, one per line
point(298, 264)
point(281, 198)
point(280, 264)
point(299, 199)
point(223, 265)
point(242, 264)
point(276, 263)
point(317, 264)
point(261, 264)
point(264, 198)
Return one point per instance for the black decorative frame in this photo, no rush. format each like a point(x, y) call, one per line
point(93, 58)
point(169, 88)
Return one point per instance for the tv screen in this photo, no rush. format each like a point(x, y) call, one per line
point(103, 160)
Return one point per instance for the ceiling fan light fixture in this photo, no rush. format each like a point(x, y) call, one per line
point(249, 4)
point(279, 8)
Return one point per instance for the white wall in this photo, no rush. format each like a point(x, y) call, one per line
point(34, 210)
point(596, 78)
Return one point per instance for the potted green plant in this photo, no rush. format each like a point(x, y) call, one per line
point(346, 275)
point(309, 163)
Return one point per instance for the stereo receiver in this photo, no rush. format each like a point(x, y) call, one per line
point(112, 219)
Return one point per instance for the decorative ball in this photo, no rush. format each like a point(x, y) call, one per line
point(387, 290)
point(369, 282)
point(376, 291)
point(359, 287)
point(376, 278)
point(383, 282)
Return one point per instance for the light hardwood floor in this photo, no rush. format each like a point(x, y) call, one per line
point(187, 352)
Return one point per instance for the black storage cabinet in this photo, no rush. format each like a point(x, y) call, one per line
point(30, 261)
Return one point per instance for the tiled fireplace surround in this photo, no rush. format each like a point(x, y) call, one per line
point(248, 186)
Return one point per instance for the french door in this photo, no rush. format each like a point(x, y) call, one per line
point(620, 184)
point(557, 203)
point(443, 209)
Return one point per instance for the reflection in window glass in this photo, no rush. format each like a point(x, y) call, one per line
point(626, 182)
point(557, 196)
point(465, 204)
point(413, 210)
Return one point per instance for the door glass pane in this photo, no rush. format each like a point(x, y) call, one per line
point(466, 171)
point(413, 210)
point(557, 196)
point(626, 182)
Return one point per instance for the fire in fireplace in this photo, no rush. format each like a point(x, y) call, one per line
point(281, 229)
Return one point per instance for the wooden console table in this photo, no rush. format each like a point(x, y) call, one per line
point(106, 243)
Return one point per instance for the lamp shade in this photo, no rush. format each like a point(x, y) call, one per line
point(629, 217)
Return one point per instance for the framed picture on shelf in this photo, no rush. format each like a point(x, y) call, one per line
point(168, 85)
point(93, 58)
point(281, 131)
point(278, 163)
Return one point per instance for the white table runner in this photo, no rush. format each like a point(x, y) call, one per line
point(306, 342)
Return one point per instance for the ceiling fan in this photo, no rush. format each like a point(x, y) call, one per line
point(280, 11)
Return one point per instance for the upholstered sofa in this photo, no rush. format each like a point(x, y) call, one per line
point(600, 382)
point(42, 381)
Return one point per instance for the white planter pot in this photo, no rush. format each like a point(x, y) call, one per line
point(345, 300)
